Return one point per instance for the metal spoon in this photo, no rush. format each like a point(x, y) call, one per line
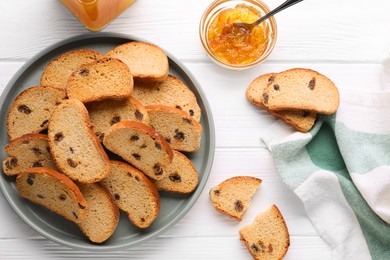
point(249, 26)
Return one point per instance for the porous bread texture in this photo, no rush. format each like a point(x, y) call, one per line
point(57, 72)
point(105, 113)
point(54, 191)
point(101, 79)
point(134, 193)
point(141, 146)
point(267, 237)
point(31, 110)
point(181, 131)
point(27, 151)
point(102, 215)
point(301, 120)
point(74, 146)
point(301, 89)
point(170, 92)
point(233, 196)
point(147, 62)
point(182, 176)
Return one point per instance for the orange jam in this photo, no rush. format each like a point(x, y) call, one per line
point(96, 14)
point(236, 45)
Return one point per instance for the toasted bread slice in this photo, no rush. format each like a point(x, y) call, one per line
point(32, 109)
point(74, 146)
point(102, 79)
point(267, 237)
point(147, 62)
point(102, 213)
point(301, 120)
point(134, 193)
point(182, 176)
point(232, 197)
point(54, 191)
point(301, 89)
point(58, 70)
point(170, 92)
point(181, 131)
point(105, 113)
point(27, 151)
point(141, 146)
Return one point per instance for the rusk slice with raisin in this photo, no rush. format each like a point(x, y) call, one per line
point(134, 193)
point(27, 151)
point(58, 70)
point(232, 197)
point(101, 79)
point(267, 237)
point(301, 120)
point(301, 89)
point(74, 146)
point(181, 131)
point(32, 109)
point(105, 113)
point(54, 191)
point(141, 146)
point(170, 92)
point(147, 62)
point(102, 213)
point(182, 176)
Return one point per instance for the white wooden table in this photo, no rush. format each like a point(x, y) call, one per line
point(345, 40)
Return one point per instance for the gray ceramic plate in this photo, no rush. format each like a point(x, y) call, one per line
point(173, 206)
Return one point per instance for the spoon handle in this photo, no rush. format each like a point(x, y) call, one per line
point(281, 7)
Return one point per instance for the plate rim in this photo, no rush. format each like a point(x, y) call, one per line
point(194, 196)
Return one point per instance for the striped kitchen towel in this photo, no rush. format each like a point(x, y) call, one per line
point(341, 172)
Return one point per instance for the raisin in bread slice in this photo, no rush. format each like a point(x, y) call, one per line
point(101, 79)
point(181, 131)
point(32, 109)
point(74, 146)
point(134, 193)
point(301, 120)
point(27, 151)
point(301, 89)
point(102, 212)
point(105, 113)
point(140, 145)
point(58, 71)
point(170, 92)
point(54, 191)
point(182, 176)
point(147, 62)
point(232, 197)
point(267, 237)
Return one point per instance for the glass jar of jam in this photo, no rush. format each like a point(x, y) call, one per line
point(96, 14)
point(233, 46)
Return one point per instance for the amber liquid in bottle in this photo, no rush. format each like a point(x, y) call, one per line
point(96, 14)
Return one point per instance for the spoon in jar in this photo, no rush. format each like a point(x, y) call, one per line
point(249, 26)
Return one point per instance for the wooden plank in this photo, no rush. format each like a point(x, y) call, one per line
point(336, 33)
point(161, 248)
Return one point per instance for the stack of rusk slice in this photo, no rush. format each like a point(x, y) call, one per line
point(103, 133)
point(296, 96)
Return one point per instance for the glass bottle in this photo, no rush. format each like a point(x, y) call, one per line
point(96, 14)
